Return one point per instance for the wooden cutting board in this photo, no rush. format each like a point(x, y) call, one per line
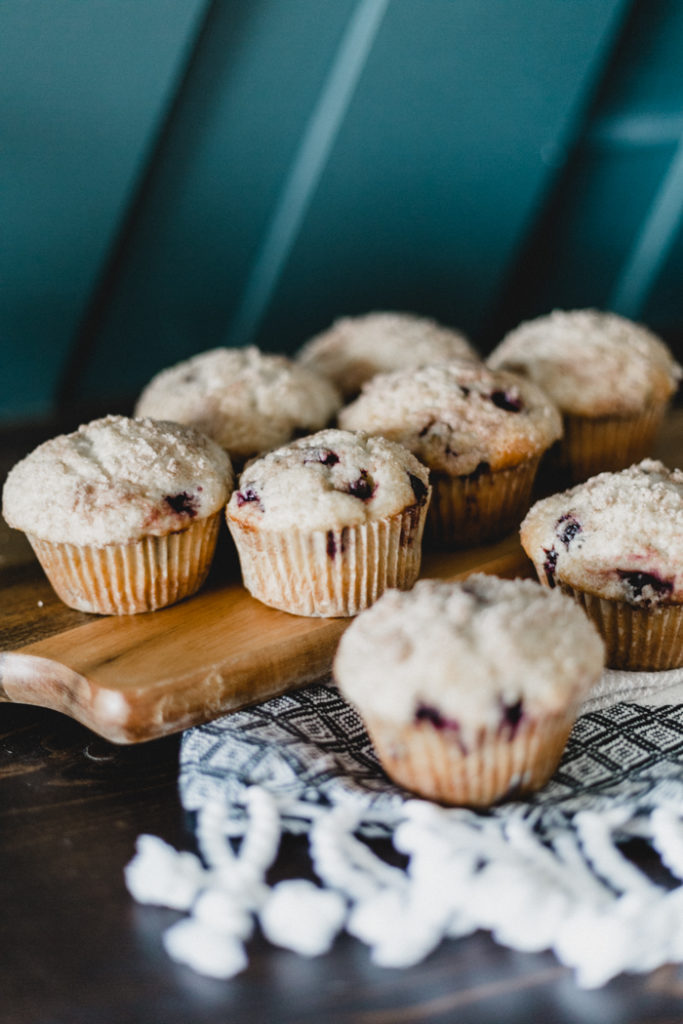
point(134, 678)
point(140, 677)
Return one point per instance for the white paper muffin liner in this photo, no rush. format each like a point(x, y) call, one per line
point(434, 763)
point(482, 507)
point(636, 639)
point(331, 572)
point(124, 579)
point(605, 444)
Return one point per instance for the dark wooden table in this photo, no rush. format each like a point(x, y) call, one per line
point(74, 946)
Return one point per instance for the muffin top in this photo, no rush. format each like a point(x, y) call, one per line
point(457, 416)
point(591, 363)
point(246, 400)
point(116, 480)
point(618, 535)
point(329, 480)
point(355, 348)
point(478, 653)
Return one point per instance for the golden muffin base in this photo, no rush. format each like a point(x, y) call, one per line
point(604, 444)
point(433, 762)
point(636, 639)
point(125, 579)
point(469, 510)
point(331, 573)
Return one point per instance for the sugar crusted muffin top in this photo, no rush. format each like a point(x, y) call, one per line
point(618, 535)
point(591, 363)
point(355, 348)
point(331, 479)
point(246, 400)
point(458, 415)
point(479, 653)
point(115, 480)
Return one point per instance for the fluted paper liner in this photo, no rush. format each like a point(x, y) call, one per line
point(606, 443)
point(435, 764)
point(482, 507)
point(124, 579)
point(636, 638)
point(331, 572)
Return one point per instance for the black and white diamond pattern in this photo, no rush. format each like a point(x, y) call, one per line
point(311, 745)
point(625, 755)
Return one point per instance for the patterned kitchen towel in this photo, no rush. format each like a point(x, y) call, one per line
point(546, 872)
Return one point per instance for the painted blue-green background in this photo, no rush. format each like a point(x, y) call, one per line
point(179, 174)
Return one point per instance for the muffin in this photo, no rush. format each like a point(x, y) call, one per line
point(469, 690)
point(354, 349)
point(481, 432)
point(122, 514)
point(325, 524)
point(610, 378)
point(615, 544)
point(246, 400)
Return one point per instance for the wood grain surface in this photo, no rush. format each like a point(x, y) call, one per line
point(135, 678)
point(77, 950)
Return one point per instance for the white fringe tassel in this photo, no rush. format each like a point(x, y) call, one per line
point(578, 896)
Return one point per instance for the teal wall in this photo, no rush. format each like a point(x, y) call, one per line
point(178, 174)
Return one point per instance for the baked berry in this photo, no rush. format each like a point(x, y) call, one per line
point(550, 565)
point(363, 487)
point(512, 715)
point(419, 489)
point(324, 455)
point(247, 496)
point(427, 713)
point(507, 400)
point(335, 544)
point(482, 467)
point(184, 504)
point(644, 588)
point(567, 528)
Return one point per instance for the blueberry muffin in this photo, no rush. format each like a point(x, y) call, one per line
point(355, 348)
point(246, 400)
point(122, 514)
point(325, 524)
point(610, 378)
point(481, 432)
point(615, 544)
point(469, 690)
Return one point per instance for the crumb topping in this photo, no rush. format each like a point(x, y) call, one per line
point(355, 348)
point(591, 363)
point(482, 652)
point(246, 400)
point(618, 535)
point(115, 480)
point(457, 416)
point(331, 479)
